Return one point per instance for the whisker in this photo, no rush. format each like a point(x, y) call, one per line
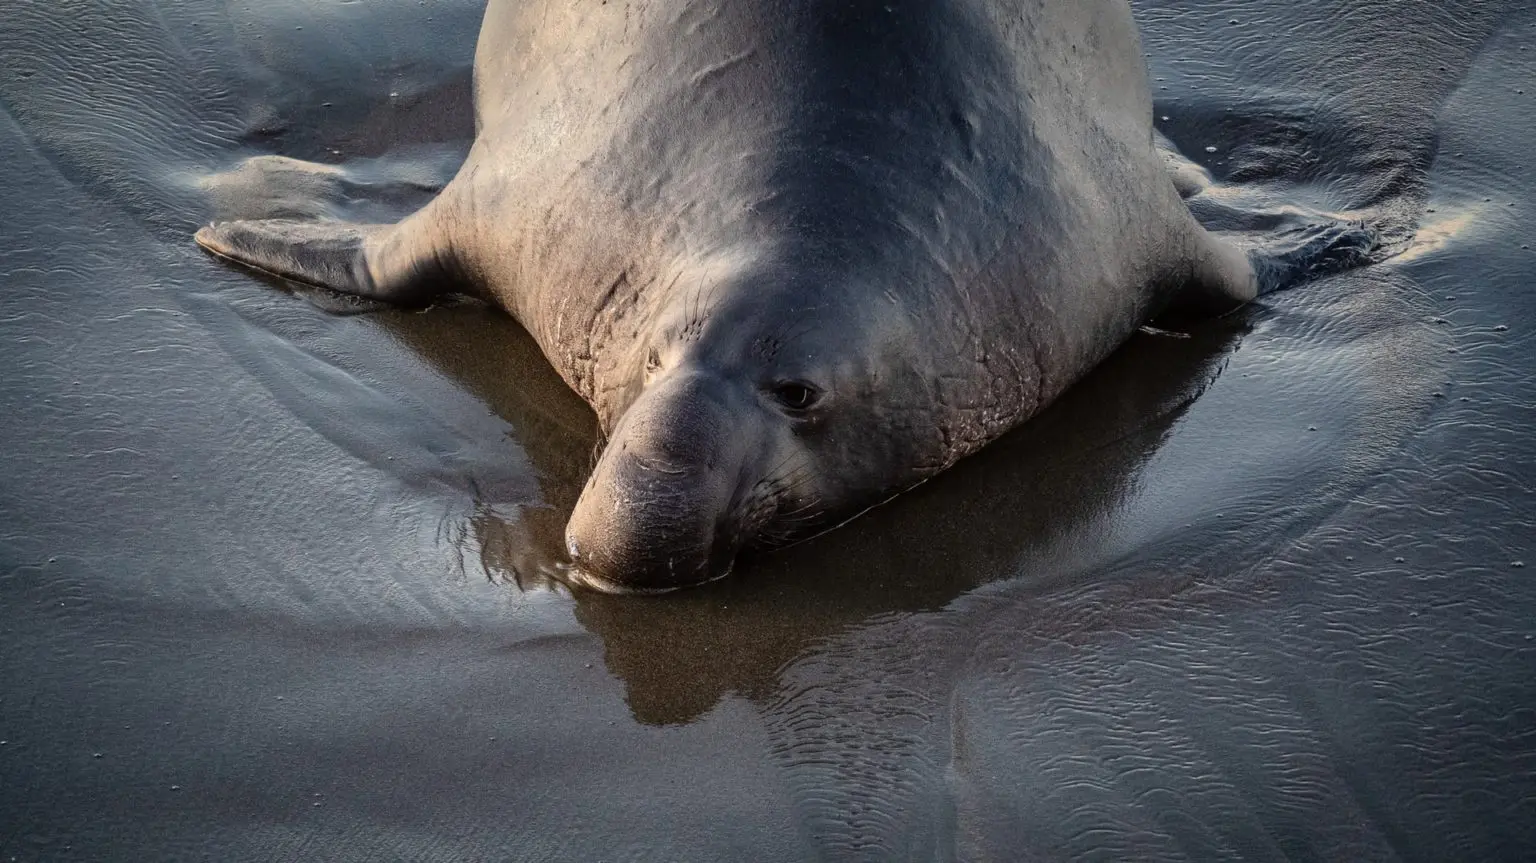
point(695, 299)
point(803, 513)
point(797, 332)
point(713, 290)
point(798, 482)
point(597, 452)
point(773, 474)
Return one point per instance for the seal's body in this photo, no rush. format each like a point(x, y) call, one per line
point(798, 255)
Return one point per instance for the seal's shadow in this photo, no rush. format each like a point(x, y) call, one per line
point(1015, 510)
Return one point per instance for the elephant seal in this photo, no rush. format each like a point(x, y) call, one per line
point(798, 256)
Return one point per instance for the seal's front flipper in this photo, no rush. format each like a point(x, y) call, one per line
point(1222, 278)
point(392, 263)
point(1232, 268)
point(1274, 250)
point(1307, 249)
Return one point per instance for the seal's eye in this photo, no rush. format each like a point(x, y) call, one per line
point(796, 395)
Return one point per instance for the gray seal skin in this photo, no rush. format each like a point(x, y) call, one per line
point(798, 255)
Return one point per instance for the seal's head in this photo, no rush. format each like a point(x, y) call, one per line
point(762, 411)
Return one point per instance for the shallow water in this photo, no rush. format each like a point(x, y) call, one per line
point(272, 578)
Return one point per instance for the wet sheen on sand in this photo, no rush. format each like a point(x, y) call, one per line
point(274, 580)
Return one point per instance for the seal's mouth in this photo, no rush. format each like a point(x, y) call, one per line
point(648, 562)
point(577, 577)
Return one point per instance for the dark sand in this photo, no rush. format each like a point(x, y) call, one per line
point(272, 580)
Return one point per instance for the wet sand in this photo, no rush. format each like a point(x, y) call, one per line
point(273, 580)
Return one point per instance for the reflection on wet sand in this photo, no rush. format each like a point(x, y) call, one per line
point(1049, 481)
point(495, 360)
point(1440, 229)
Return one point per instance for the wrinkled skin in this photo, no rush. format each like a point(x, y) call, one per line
point(798, 256)
point(743, 427)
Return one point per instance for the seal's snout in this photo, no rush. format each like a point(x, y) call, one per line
point(622, 573)
point(656, 514)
